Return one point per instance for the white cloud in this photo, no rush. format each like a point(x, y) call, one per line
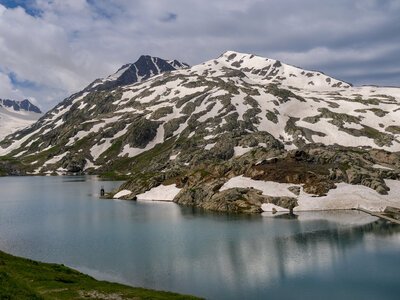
point(7, 89)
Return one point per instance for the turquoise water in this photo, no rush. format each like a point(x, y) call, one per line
point(335, 255)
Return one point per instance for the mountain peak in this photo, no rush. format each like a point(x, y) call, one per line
point(145, 57)
point(266, 70)
point(230, 52)
point(145, 67)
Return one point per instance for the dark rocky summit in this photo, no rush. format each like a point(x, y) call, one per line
point(144, 68)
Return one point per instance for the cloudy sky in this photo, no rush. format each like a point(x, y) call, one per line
point(49, 49)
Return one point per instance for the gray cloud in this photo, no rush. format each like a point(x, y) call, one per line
point(61, 46)
point(170, 17)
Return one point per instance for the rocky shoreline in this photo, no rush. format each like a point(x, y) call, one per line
point(314, 173)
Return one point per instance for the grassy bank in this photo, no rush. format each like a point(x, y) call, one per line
point(22, 278)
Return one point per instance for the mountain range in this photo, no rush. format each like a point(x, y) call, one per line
point(209, 134)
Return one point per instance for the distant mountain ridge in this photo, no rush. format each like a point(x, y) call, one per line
point(24, 105)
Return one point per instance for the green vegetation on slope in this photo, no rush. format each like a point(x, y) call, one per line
point(22, 278)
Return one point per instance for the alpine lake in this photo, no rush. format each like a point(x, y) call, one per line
point(164, 246)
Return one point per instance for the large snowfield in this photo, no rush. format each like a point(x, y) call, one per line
point(345, 196)
point(12, 121)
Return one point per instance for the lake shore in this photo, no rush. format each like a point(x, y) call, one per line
point(170, 247)
point(22, 278)
point(269, 196)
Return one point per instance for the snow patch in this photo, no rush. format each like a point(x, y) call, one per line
point(131, 152)
point(121, 194)
point(381, 167)
point(209, 146)
point(269, 188)
point(55, 159)
point(238, 151)
point(271, 207)
point(160, 193)
point(347, 196)
point(172, 157)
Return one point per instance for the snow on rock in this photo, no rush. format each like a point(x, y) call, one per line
point(121, 194)
point(16, 144)
point(160, 193)
point(132, 152)
point(21, 153)
point(82, 105)
point(381, 167)
point(238, 151)
point(209, 146)
point(209, 137)
point(347, 196)
point(172, 157)
point(269, 188)
point(89, 165)
point(271, 207)
point(294, 76)
point(55, 159)
point(97, 149)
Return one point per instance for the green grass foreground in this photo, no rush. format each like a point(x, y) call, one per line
point(22, 278)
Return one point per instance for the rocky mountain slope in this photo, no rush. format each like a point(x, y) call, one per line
point(196, 128)
point(16, 115)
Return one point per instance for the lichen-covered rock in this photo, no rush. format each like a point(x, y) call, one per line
point(162, 112)
point(10, 168)
point(74, 165)
point(223, 149)
point(295, 190)
point(142, 133)
point(284, 202)
point(209, 197)
point(235, 200)
point(173, 125)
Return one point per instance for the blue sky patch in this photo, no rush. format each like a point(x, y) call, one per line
point(28, 5)
point(21, 84)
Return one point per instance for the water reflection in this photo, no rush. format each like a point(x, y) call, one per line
point(184, 249)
